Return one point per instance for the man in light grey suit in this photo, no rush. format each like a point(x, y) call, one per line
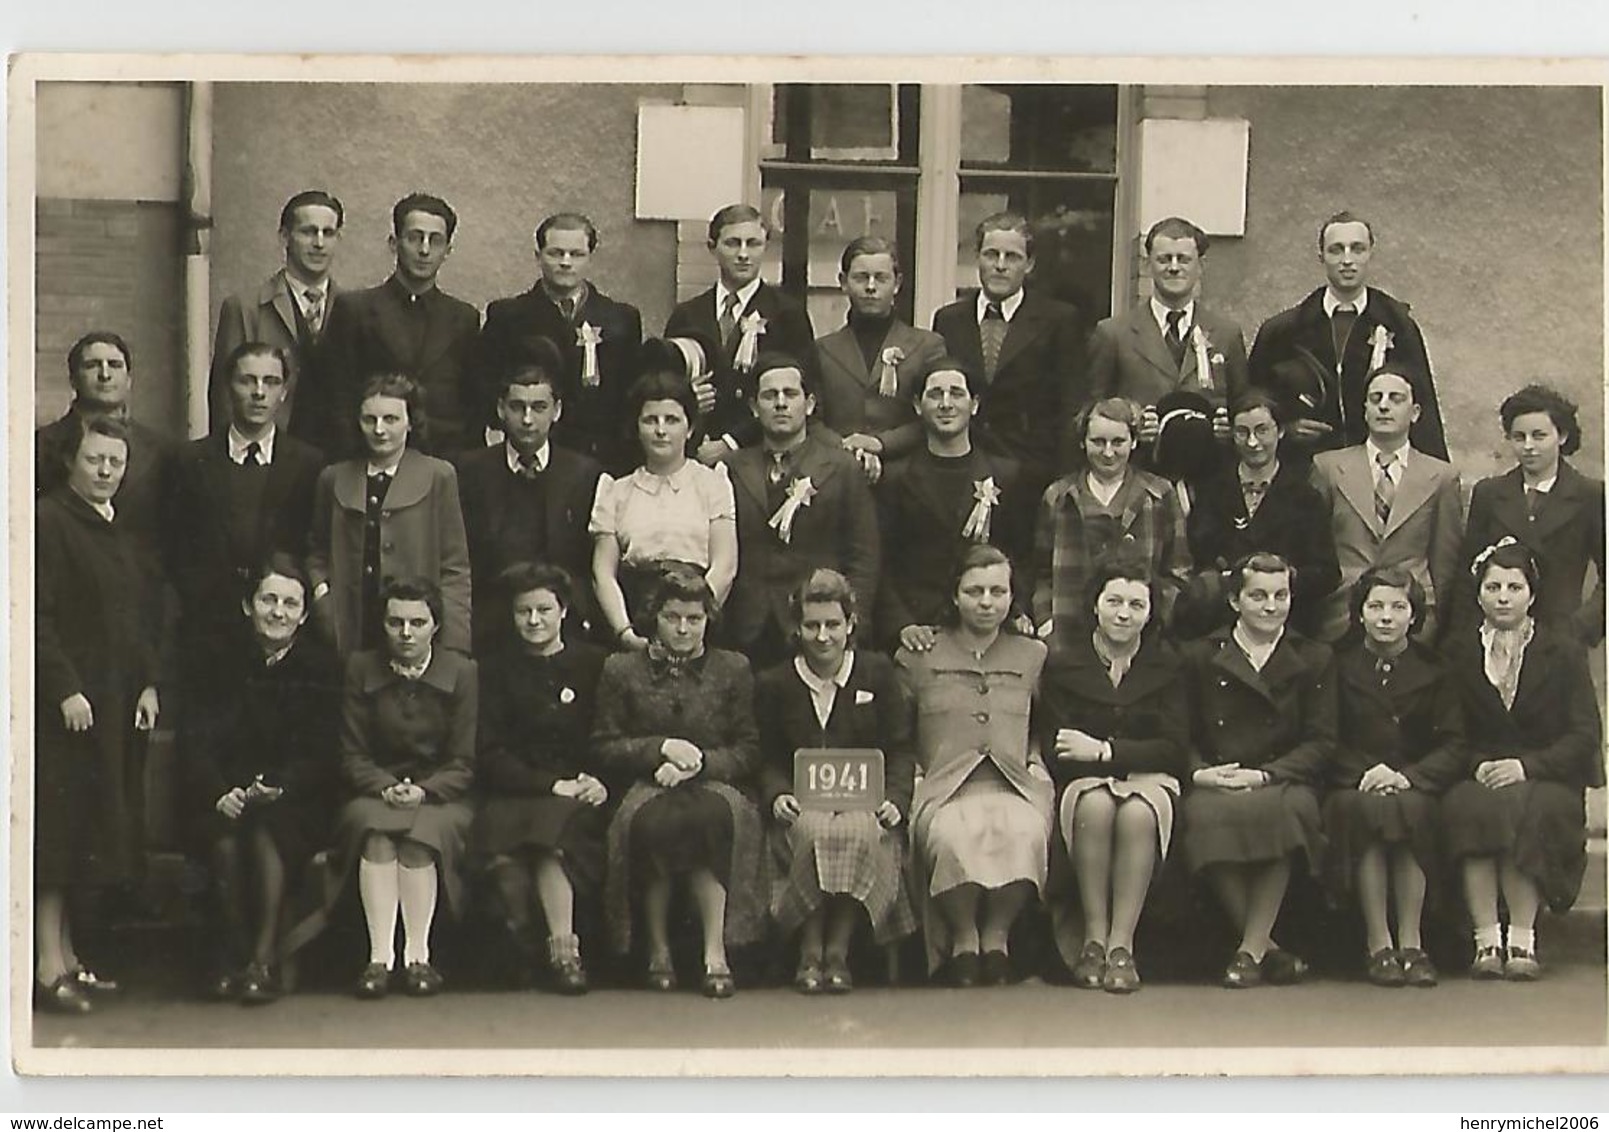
point(1172, 341)
point(1391, 504)
point(291, 310)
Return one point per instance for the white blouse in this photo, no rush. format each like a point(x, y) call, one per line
point(656, 517)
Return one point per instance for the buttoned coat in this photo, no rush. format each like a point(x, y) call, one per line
point(1128, 357)
point(1415, 724)
point(1281, 720)
point(847, 397)
point(1423, 534)
point(593, 421)
point(787, 330)
point(421, 536)
point(1038, 383)
point(836, 529)
point(1298, 345)
point(1565, 536)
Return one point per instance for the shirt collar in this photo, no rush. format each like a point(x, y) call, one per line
point(745, 296)
point(1264, 477)
point(413, 671)
point(1400, 457)
point(300, 287)
point(581, 294)
point(407, 296)
point(238, 445)
point(273, 658)
point(1008, 307)
point(679, 480)
point(1332, 300)
point(816, 684)
point(543, 454)
point(1256, 654)
point(1544, 486)
point(373, 469)
point(1160, 313)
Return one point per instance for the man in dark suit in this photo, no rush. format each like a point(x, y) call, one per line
point(1173, 341)
point(869, 369)
point(745, 315)
point(943, 498)
point(527, 499)
point(1296, 351)
point(598, 338)
point(408, 325)
point(802, 504)
point(1027, 348)
point(291, 310)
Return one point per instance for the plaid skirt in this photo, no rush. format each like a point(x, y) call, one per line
point(841, 854)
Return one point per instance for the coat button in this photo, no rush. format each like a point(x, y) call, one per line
point(1223, 683)
point(981, 716)
point(388, 546)
point(368, 569)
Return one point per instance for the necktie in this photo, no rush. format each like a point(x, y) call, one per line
point(254, 455)
point(529, 468)
point(1533, 502)
point(1253, 491)
point(567, 308)
point(1385, 489)
point(993, 332)
point(315, 309)
point(1341, 323)
point(1175, 337)
point(728, 319)
point(778, 469)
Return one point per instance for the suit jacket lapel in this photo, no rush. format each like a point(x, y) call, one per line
point(1020, 333)
point(970, 343)
point(1231, 660)
point(842, 348)
point(1150, 344)
point(1417, 486)
point(750, 475)
point(276, 294)
point(1356, 483)
point(1556, 508)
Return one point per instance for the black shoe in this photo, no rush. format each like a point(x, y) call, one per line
point(258, 987)
point(661, 977)
point(1418, 969)
point(374, 982)
point(1243, 972)
point(421, 980)
point(64, 996)
point(95, 984)
point(1385, 969)
point(962, 970)
point(835, 979)
point(996, 970)
point(1090, 970)
point(718, 983)
point(1283, 968)
point(1121, 975)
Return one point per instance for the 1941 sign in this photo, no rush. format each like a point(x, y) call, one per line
point(838, 778)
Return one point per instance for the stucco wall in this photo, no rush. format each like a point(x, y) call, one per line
point(502, 155)
point(1487, 208)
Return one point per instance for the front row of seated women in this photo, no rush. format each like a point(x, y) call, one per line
point(662, 779)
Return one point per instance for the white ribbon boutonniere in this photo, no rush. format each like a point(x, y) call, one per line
point(748, 346)
point(587, 337)
point(1380, 341)
point(800, 492)
point(567, 695)
point(986, 496)
point(888, 371)
point(1204, 356)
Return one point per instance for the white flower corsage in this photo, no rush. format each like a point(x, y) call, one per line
point(800, 492)
point(748, 347)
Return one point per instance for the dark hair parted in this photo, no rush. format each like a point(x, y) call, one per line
point(96, 425)
point(527, 577)
point(257, 350)
point(824, 586)
point(1403, 373)
point(1539, 398)
point(1257, 397)
point(1121, 568)
point(404, 389)
point(1004, 222)
point(1394, 577)
point(423, 202)
point(951, 364)
point(661, 385)
point(1119, 409)
point(305, 198)
point(280, 565)
point(1344, 217)
point(75, 354)
point(776, 359)
point(1177, 228)
point(1257, 562)
point(538, 362)
point(979, 556)
point(677, 581)
point(413, 589)
point(1510, 555)
point(868, 245)
point(566, 222)
point(735, 214)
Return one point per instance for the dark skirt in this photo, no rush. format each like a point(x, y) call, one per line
point(1541, 826)
point(1354, 821)
point(1248, 827)
point(569, 829)
point(86, 832)
point(681, 831)
point(298, 830)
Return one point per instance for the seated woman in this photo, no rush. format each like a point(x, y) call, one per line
point(541, 824)
point(408, 756)
point(266, 772)
point(390, 513)
point(1262, 710)
point(670, 510)
point(980, 812)
point(834, 869)
point(1105, 504)
point(1517, 823)
point(675, 729)
point(1400, 744)
point(1109, 711)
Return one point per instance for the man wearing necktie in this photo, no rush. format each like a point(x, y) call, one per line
point(566, 307)
point(1318, 354)
point(1390, 504)
point(1027, 348)
point(292, 310)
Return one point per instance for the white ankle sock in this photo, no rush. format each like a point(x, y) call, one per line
point(418, 891)
point(1522, 938)
point(377, 888)
point(1488, 935)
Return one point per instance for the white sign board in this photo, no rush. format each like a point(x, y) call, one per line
point(689, 160)
point(1194, 169)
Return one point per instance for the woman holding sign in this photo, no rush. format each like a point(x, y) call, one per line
point(838, 862)
point(675, 730)
point(981, 811)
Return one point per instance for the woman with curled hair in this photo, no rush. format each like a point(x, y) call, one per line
point(1262, 722)
point(540, 826)
point(835, 869)
point(1399, 745)
point(388, 514)
point(1109, 712)
point(671, 509)
point(676, 738)
point(1106, 506)
point(1547, 506)
point(1516, 823)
